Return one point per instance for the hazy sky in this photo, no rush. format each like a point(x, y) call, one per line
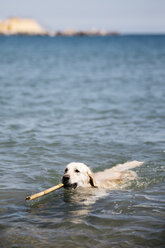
point(126, 16)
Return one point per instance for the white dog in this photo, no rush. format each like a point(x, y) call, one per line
point(80, 175)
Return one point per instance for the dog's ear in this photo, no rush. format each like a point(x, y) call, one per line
point(92, 179)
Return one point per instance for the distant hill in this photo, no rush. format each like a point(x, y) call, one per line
point(16, 25)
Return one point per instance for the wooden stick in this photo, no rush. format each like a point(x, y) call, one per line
point(32, 197)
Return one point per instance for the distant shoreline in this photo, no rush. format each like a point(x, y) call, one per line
point(26, 26)
point(29, 27)
point(85, 35)
point(59, 35)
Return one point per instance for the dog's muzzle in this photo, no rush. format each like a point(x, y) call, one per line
point(67, 184)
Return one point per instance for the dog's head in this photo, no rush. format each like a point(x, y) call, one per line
point(78, 175)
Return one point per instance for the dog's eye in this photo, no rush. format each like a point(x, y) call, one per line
point(66, 170)
point(77, 171)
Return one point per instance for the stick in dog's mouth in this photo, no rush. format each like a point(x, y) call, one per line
point(70, 186)
point(47, 191)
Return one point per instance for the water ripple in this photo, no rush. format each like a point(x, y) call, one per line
point(95, 100)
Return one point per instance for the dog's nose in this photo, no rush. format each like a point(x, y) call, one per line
point(65, 178)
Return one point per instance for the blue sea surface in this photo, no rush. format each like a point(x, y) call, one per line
point(96, 100)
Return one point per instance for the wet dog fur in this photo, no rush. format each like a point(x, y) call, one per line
point(80, 175)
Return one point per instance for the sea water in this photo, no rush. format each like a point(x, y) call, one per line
point(96, 100)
